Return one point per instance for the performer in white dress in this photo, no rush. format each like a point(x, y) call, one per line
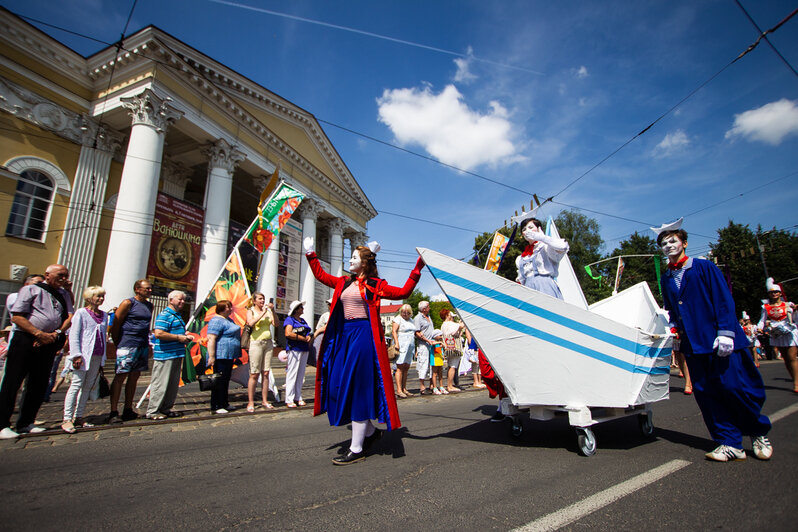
point(539, 264)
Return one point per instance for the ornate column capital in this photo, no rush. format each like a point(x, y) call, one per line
point(356, 238)
point(150, 109)
point(335, 227)
point(222, 154)
point(310, 209)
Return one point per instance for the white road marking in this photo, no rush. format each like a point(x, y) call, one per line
point(576, 511)
point(784, 412)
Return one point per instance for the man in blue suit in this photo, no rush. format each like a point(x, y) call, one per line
point(727, 386)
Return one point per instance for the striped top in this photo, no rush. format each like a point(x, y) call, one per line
point(354, 305)
point(171, 322)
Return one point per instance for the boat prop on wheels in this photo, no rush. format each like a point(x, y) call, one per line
point(561, 357)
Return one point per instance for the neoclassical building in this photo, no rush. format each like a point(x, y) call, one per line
point(148, 161)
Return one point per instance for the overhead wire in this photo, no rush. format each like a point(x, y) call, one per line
point(494, 181)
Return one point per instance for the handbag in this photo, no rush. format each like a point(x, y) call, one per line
point(105, 389)
point(209, 382)
point(245, 336)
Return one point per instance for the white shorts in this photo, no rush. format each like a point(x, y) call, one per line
point(422, 362)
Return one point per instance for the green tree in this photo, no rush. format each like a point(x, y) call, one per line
point(415, 298)
point(638, 269)
point(585, 242)
point(737, 255)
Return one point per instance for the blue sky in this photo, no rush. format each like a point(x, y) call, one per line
point(531, 94)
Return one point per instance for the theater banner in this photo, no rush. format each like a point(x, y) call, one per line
point(175, 246)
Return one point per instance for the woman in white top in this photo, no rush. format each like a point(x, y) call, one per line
point(777, 322)
point(539, 263)
point(86, 356)
point(403, 331)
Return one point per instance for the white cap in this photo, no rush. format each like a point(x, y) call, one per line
point(745, 316)
point(294, 305)
point(772, 286)
point(673, 226)
point(374, 246)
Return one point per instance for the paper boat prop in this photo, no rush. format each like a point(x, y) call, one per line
point(551, 352)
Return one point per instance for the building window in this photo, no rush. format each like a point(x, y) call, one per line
point(31, 208)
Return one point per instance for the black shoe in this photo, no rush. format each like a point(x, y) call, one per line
point(369, 441)
point(498, 417)
point(113, 417)
point(129, 414)
point(349, 458)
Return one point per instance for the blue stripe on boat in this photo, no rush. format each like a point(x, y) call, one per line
point(556, 340)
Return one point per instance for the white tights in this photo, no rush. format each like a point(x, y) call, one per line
point(360, 431)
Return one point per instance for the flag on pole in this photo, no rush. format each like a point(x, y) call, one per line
point(272, 215)
point(618, 275)
point(590, 273)
point(231, 285)
point(497, 249)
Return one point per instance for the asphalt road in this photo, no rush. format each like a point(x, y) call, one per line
point(447, 468)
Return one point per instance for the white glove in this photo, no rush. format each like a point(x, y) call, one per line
point(724, 345)
point(308, 244)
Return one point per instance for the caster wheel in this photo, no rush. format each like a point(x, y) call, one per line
point(587, 441)
point(517, 428)
point(646, 424)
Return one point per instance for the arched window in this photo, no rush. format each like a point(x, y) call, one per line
point(31, 208)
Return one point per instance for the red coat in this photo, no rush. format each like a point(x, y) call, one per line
point(380, 289)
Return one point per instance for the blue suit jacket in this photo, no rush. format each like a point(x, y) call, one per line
point(702, 309)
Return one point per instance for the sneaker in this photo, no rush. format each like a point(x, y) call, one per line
point(32, 429)
point(498, 417)
point(8, 434)
point(762, 447)
point(129, 414)
point(221, 411)
point(725, 453)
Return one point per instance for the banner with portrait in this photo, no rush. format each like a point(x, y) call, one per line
point(175, 246)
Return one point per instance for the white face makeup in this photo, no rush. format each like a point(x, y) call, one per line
point(530, 230)
point(672, 247)
point(355, 265)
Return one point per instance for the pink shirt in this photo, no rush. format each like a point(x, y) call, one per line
point(354, 305)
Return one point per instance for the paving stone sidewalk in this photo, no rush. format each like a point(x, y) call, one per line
point(191, 403)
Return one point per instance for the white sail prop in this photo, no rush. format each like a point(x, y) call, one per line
point(566, 277)
point(550, 352)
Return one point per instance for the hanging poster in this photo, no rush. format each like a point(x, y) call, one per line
point(175, 246)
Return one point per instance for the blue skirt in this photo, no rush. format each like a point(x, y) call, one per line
point(545, 284)
point(354, 390)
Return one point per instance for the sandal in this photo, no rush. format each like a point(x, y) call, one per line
point(290, 405)
point(68, 427)
point(409, 394)
point(250, 408)
point(172, 413)
point(268, 406)
point(301, 403)
point(401, 395)
point(688, 391)
point(436, 391)
point(443, 391)
point(454, 390)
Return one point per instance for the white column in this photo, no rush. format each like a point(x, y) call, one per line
point(174, 178)
point(309, 212)
point(223, 160)
point(267, 280)
point(336, 253)
point(129, 245)
point(86, 205)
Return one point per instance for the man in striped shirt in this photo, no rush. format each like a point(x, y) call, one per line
point(168, 352)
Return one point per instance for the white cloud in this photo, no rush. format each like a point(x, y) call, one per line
point(769, 123)
point(438, 297)
point(464, 74)
point(447, 128)
point(672, 143)
point(581, 72)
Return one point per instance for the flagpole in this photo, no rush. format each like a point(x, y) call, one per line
point(617, 273)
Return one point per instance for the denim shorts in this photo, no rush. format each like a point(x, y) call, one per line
point(132, 359)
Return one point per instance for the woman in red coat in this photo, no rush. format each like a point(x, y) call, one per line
point(353, 377)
